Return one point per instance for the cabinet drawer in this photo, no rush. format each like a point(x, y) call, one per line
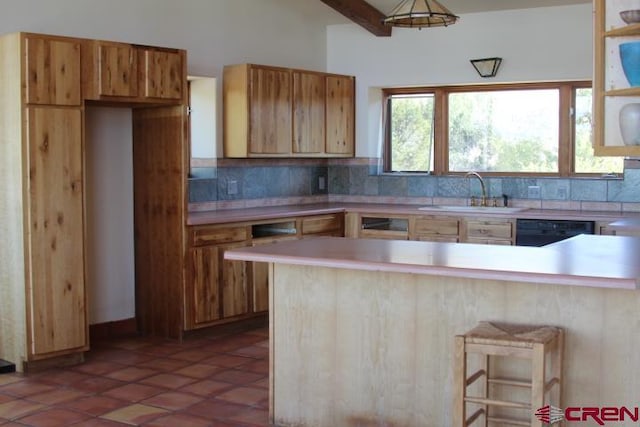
point(437, 227)
point(436, 238)
point(490, 229)
point(481, 241)
point(322, 224)
point(384, 234)
point(210, 235)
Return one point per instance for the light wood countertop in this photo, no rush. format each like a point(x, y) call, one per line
point(586, 260)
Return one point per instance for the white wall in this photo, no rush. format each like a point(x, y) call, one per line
point(214, 33)
point(109, 201)
point(536, 44)
point(202, 117)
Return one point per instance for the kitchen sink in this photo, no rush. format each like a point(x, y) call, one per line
point(471, 209)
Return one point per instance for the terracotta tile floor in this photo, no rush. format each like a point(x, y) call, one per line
point(206, 381)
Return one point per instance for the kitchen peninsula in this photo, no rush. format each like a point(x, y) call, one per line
point(361, 331)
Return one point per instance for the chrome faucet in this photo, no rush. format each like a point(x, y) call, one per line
point(483, 201)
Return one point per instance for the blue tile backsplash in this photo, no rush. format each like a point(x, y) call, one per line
point(291, 180)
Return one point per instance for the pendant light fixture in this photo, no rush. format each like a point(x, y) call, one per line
point(419, 14)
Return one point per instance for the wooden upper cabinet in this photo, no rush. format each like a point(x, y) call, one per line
point(283, 112)
point(615, 97)
point(117, 69)
point(308, 112)
point(340, 106)
point(52, 68)
point(270, 111)
point(123, 72)
point(163, 73)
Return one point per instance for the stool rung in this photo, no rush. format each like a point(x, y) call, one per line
point(473, 417)
point(473, 378)
point(510, 421)
point(493, 402)
point(510, 382)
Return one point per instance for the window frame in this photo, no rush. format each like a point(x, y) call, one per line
point(566, 131)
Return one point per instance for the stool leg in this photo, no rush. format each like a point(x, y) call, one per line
point(537, 382)
point(485, 388)
point(459, 383)
point(556, 372)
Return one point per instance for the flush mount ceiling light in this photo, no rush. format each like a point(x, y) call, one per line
point(419, 14)
point(487, 67)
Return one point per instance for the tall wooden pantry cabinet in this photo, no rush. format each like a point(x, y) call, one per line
point(45, 82)
point(41, 209)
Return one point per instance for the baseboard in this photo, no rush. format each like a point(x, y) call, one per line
point(228, 328)
point(53, 362)
point(116, 329)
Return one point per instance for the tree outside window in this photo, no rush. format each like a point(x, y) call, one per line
point(509, 129)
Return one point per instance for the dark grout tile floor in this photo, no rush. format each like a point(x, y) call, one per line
point(218, 381)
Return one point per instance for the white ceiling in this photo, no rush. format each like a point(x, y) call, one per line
point(316, 10)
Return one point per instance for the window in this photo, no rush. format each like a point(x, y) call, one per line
point(504, 131)
point(412, 130)
point(585, 161)
point(536, 128)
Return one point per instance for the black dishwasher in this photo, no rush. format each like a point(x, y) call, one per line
point(540, 232)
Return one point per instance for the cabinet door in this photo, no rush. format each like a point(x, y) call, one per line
point(56, 289)
point(205, 284)
point(163, 74)
point(308, 113)
point(117, 70)
point(340, 104)
point(270, 111)
point(492, 232)
point(234, 280)
point(260, 285)
point(260, 276)
point(433, 229)
point(52, 69)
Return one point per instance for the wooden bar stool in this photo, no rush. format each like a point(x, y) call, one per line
point(510, 340)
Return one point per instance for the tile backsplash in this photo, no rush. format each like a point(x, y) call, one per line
point(238, 183)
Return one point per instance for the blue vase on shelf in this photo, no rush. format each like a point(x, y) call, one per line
point(630, 58)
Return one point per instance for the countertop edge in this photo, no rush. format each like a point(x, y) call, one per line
point(248, 254)
point(275, 212)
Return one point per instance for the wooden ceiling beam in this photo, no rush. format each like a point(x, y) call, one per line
point(363, 14)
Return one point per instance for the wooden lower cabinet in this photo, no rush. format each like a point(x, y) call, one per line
point(259, 272)
point(234, 283)
point(219, 290)
point(204, 278)
point(432, 228)
point(489, 231)
point(260, 286)
point(435, 229)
